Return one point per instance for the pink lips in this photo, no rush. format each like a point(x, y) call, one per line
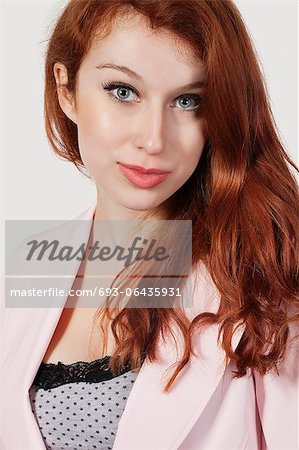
point(141, 177)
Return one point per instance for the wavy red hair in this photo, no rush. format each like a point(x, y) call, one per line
point(242, 198)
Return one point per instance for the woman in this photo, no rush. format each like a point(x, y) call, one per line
point(175, 88)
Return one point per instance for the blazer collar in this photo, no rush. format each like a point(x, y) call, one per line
point(27, 333)
point(156, 421)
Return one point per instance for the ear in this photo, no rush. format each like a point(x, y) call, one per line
point(65, 97)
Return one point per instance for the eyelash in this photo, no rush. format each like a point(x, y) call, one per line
point(110, 86)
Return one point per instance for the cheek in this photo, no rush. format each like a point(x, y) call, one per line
point(190, 146)
point(96, 125)
point(99, 137)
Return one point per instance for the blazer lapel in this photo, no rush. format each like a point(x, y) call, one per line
point(28, 334)
point(156, 421)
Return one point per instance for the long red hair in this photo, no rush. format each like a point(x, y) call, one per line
point(242, 198)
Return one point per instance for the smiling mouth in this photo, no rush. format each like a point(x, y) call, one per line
point(141, 179)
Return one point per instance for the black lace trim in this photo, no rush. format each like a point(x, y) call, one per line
point(53, 375)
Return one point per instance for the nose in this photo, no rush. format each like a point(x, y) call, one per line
point(150, 129)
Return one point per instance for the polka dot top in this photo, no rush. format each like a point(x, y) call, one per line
point(78, 406)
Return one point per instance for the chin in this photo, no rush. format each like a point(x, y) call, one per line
point(141, 204)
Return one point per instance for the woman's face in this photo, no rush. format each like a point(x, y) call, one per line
point(133, 106)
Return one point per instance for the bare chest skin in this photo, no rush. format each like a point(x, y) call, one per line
point(73, 339)
point(77, 337)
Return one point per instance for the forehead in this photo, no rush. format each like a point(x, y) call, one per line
point(157, 54)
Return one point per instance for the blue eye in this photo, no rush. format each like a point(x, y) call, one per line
point(122, 91)
point(190, 102)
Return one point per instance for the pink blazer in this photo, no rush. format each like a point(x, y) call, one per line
point(205, 410)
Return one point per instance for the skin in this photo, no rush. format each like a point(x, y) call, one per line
point(151, 129)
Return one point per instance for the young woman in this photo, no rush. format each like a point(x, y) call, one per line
point(174, 90)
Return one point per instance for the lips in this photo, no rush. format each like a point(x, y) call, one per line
point(143, 169)
point(141, 177)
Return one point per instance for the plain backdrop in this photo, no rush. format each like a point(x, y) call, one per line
point(39, 185)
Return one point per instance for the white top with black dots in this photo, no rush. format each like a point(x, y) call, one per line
point(78, 406)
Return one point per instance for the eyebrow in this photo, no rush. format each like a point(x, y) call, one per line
point(130, 72)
